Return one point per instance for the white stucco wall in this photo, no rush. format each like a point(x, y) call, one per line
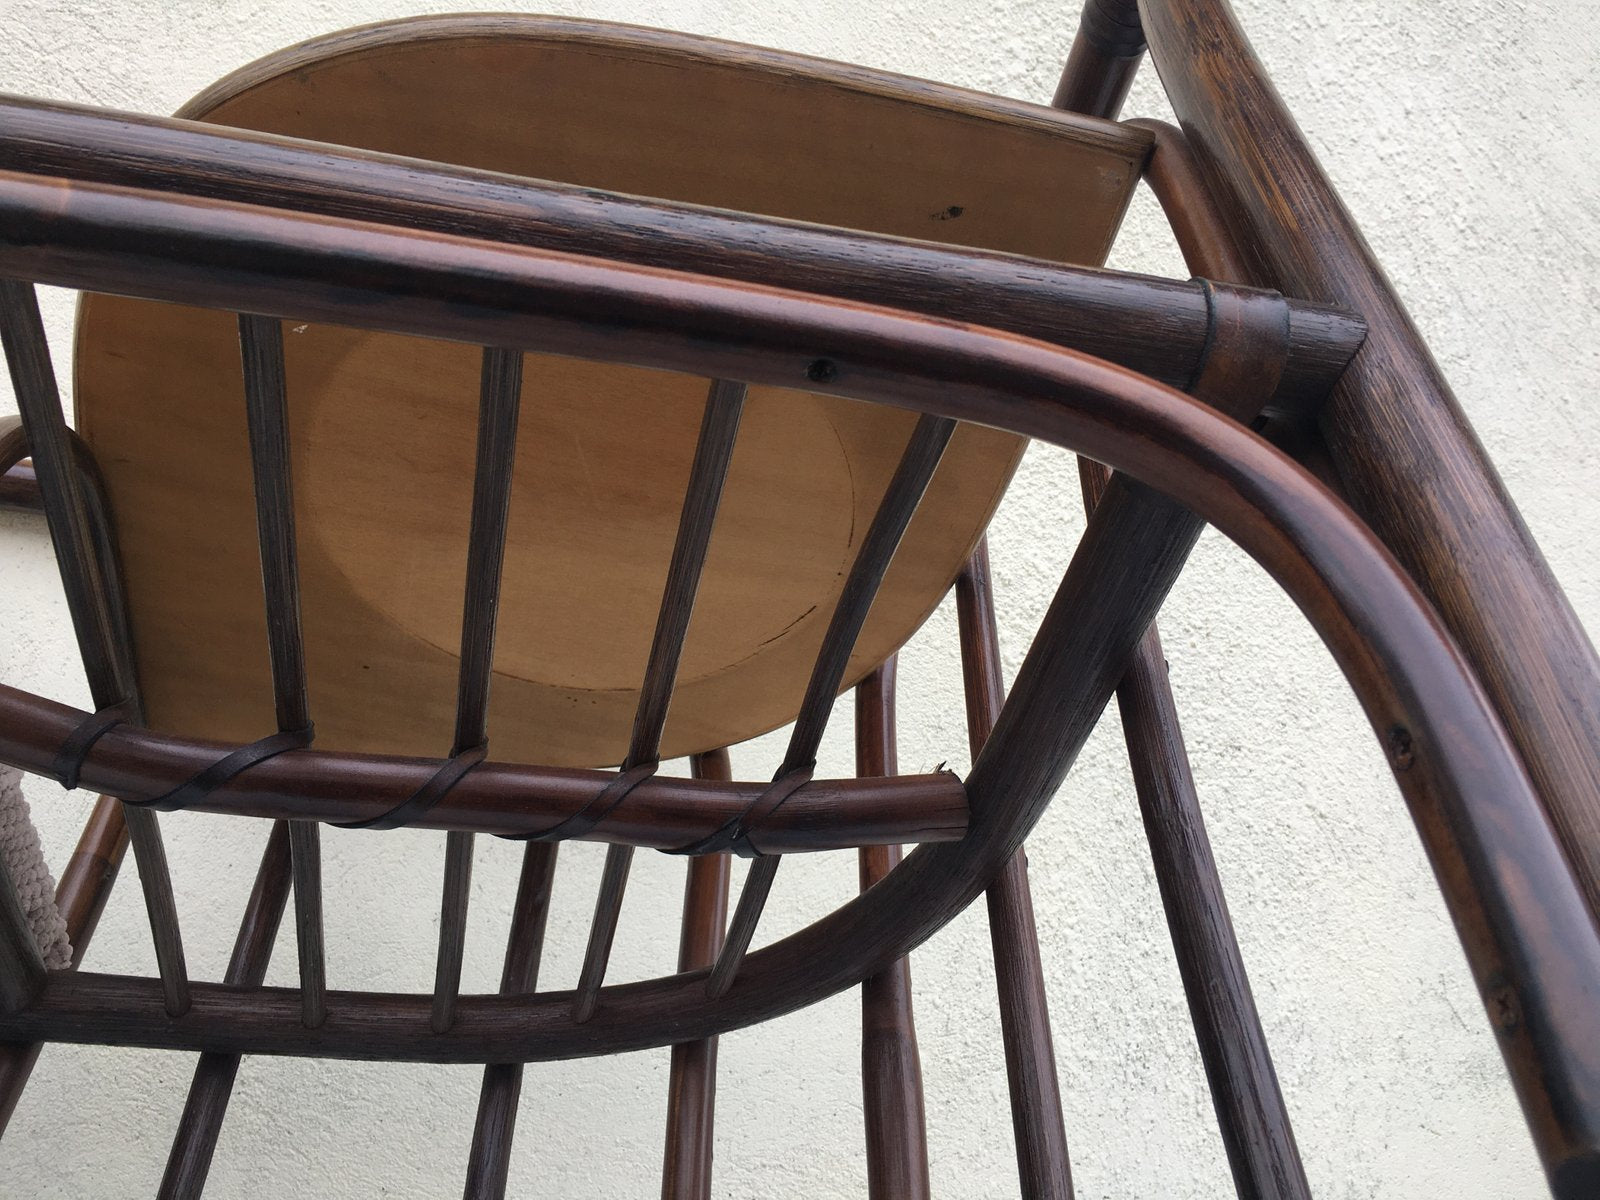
point(1465, 146)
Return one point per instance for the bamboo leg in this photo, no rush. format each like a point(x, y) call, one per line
point(692, 1085)
point(891, 1069)
point(489, 1161)
point(189, 1161)
point(1044, 1168)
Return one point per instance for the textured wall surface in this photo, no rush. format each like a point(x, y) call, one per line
point(1463, 141)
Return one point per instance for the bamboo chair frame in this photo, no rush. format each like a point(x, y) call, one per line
point(1500, 780)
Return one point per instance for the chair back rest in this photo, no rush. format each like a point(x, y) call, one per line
point(382, 427)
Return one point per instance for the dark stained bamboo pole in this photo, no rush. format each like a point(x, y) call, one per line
point(81, 896)
point(499, 408)
point(90, 588)
point(1096, 79)
point(529, 914)
point(900, 499)
point(752, 901)
point(602, 931)
point(189, 1161)
point(19, 486)
point(85, 882)
point(719, 429)
point(97, 511)
point(155, 881)
point(1104, 58)
point(19, 489)
point(267, 413)
point(891, 1068)
point(489, 1161)
point(499, 405)
point(453, 903)
point(899, 503)
point(61, 489)
point(21, 963)
point(1199, 225)
point(1250, 1109)
point(514, 799)
point(1044, 1167)
point(1251, 1114)
point(692, 1082)
point(305, 848)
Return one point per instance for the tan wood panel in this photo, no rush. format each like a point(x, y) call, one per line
point(383, 427)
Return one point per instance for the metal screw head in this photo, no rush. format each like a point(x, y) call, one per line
point(822, 370)
point(1401, 753)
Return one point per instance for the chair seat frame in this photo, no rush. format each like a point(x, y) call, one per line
point(1501, 808)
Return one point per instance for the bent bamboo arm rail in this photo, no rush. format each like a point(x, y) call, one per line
point(1394, 431)
point(1533, 948)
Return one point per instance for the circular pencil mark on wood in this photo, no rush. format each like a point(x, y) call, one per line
point(603, 457)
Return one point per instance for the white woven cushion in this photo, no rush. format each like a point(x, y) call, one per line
point(24, 862)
